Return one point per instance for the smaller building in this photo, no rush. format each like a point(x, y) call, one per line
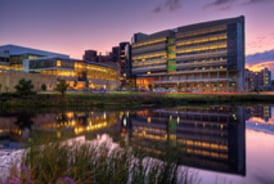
point(19, 62)
point(90, 55)
point(258, 81)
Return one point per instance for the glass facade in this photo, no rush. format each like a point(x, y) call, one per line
point(205, 57)
point(88, 74)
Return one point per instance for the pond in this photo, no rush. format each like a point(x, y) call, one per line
point(220, 143)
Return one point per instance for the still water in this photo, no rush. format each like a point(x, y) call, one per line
point(220, 144)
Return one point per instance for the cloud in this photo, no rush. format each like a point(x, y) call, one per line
point(260, 57)
point(260, 66)
point(226, 4)
point(259, 61)
point(256, 1)
point(169, 5)
point(220, 4)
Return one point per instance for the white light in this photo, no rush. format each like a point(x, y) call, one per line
point(125, 122)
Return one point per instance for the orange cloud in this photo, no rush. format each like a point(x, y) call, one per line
point(256, 67)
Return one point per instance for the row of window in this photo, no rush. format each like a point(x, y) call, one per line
point(203, 48)
point(207, 39)
point(193, 33)
point(150, 48)
point(210, 65)
point(149, 68)
point(208, 68)
point(140, 44)
point(203, 60)
point(148, 62)
point(151, 55)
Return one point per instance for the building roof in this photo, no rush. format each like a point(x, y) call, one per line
point(140, 37)
point(19, 50)
point(210, 23)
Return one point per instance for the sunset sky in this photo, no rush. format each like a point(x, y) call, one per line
point(72, 26)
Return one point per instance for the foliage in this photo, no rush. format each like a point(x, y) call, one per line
point(43, 87)
point(75, 83)
point(93, 163)
point(62, 86)
point(87, 84)
point(150, 87)
point(24, 87)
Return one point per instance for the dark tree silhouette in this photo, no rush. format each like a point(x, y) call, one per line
point(24, 87)
point(62, 86)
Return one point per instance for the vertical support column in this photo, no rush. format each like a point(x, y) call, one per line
point(171, 55)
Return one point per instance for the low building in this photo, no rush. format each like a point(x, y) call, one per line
point(90, 55)
point(258, 81)
point(80, 74)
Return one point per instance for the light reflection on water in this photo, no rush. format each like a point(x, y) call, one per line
point(225, 144)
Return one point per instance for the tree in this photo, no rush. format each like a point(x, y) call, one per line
point(62, 86)
point(87, 84)
point(150, 86)
point(43, 87)
point(75, 83)
point(24, 87)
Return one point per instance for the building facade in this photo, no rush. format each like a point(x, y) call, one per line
point(79, 74)
point(258, 81)
point(90, 55)
point(12, 56)
point(206, 57)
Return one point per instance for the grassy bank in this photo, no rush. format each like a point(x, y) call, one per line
point(126, 100)
point(94, 163)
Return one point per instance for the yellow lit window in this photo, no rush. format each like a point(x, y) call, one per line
point(58, 63)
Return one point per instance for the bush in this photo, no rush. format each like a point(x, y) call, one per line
point(24, 88)
point(43, 87)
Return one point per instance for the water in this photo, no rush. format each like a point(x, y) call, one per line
point(221, 144)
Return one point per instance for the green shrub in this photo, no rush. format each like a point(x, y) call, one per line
point(24, 87)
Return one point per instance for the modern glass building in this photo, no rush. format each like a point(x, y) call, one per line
point(206, 57)
point(78, 73)
point(14, 56)
point(94, 75)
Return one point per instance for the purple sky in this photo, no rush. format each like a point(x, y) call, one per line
point(71, 26)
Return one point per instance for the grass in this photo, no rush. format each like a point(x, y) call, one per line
point(94, 163)
point(127, 100)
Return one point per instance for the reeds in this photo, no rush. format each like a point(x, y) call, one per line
point(88, 163)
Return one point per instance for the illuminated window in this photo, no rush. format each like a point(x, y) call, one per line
point(58, 63)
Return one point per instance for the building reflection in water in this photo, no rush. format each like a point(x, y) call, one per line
point(14, 127)
point(210, 137)
point(81, 122)
point(207, 137)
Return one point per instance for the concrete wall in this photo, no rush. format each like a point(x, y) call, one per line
point(8, 80)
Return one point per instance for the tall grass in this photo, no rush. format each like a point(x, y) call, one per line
point(93, 163)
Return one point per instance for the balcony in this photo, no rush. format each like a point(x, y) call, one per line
point(195, 80)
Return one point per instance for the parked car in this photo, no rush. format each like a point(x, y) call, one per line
point(171, 90)
point(159, 90)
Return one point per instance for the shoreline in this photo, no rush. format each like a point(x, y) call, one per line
point(128, 100)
